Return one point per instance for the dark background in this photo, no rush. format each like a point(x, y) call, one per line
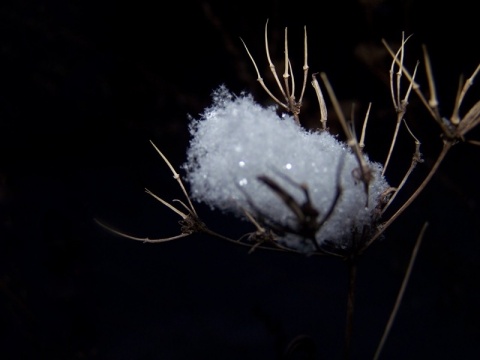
point(84, 85)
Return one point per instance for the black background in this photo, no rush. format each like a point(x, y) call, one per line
point(85, 85)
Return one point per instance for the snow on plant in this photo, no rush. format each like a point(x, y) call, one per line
point(305, 191)
point(241, 154)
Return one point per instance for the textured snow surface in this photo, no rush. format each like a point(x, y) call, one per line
point(237, 140)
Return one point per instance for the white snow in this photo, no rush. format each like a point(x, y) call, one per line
point(237, 140)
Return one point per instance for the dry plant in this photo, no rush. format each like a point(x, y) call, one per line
point(307, 220)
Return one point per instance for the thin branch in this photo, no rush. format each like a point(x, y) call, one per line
point(393, 142)
point(176, 176)
point(401, 108)
point(321, 101)
point(473, 142)
point(364, 127)
point(400, 68)
point(286, 74)
point(447, 145)
point(305, 65)
point(292, 96)
point(351, 140)
point(416, 158)
point(392, 82)
point(470, 120)
point(433, 102)
point(455, 119)
point(260, 79)
point(170, 206)
point(401, 292)
point(145, 240)
point(410, 87)
point(416, 86)
point(270, 63)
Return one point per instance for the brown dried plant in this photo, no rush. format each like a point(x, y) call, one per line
point(266, 233)
point(453, 130)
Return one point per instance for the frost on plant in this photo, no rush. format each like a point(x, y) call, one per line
point(303, 191)
point(306, 191)
point(237, 145)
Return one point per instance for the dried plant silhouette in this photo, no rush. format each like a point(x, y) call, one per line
point(306, 221)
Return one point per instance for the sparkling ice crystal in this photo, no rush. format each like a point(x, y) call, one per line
point(237, 140)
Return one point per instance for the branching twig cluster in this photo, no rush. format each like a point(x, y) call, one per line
point(266, 232)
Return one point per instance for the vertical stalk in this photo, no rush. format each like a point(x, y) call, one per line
point(352, 274)
point(401, 292)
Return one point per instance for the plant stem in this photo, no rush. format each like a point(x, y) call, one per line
point(401, 292)
point(447, 145)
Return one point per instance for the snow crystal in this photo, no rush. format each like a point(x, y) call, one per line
point(236, 140)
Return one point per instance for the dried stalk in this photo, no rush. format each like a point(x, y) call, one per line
point(401, 292)
point(288, 88)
